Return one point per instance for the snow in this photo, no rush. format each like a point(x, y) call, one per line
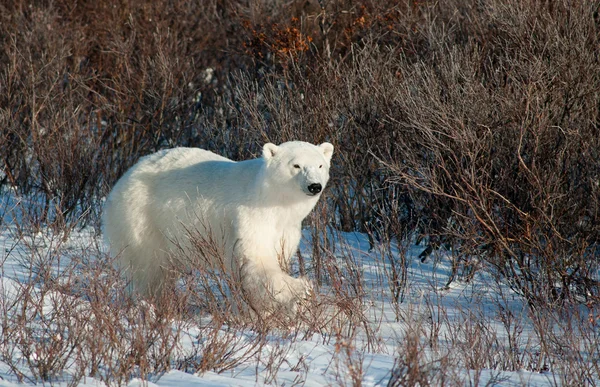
point(324, 358)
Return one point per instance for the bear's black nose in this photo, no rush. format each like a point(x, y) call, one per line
point(314, 188)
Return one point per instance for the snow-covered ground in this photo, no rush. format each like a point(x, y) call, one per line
point(453, 329)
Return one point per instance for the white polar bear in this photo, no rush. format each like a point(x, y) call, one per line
point(255, 207)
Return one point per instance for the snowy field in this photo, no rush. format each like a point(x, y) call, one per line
point(475, 332)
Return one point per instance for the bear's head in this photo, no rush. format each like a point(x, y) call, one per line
point(299, 169)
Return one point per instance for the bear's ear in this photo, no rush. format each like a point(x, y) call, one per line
point(327, 150)
point(269, 151)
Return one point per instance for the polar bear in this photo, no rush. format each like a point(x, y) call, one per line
point(255, 207)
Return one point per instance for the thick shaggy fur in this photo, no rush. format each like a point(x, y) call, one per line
point(254, 207)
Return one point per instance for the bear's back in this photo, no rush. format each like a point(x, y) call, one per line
point(178, 158)
point(180, 180)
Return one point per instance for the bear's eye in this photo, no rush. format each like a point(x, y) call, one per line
point(296, 166)
point(321, 166)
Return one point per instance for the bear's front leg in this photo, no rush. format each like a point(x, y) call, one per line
point(270, 290)
point(287, 289)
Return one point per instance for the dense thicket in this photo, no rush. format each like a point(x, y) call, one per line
point(472, 123)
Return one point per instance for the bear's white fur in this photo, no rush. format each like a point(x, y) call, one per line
point(255, 207)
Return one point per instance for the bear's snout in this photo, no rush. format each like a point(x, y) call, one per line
point(315, 188)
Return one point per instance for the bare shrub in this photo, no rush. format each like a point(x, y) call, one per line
point(420, 362)
point(502, 152)
point(68, 315)
point(81, 101)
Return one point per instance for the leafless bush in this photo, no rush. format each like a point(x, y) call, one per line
point(89, 88)
point(496, 138)
point(420, 361)
point(78, 315)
